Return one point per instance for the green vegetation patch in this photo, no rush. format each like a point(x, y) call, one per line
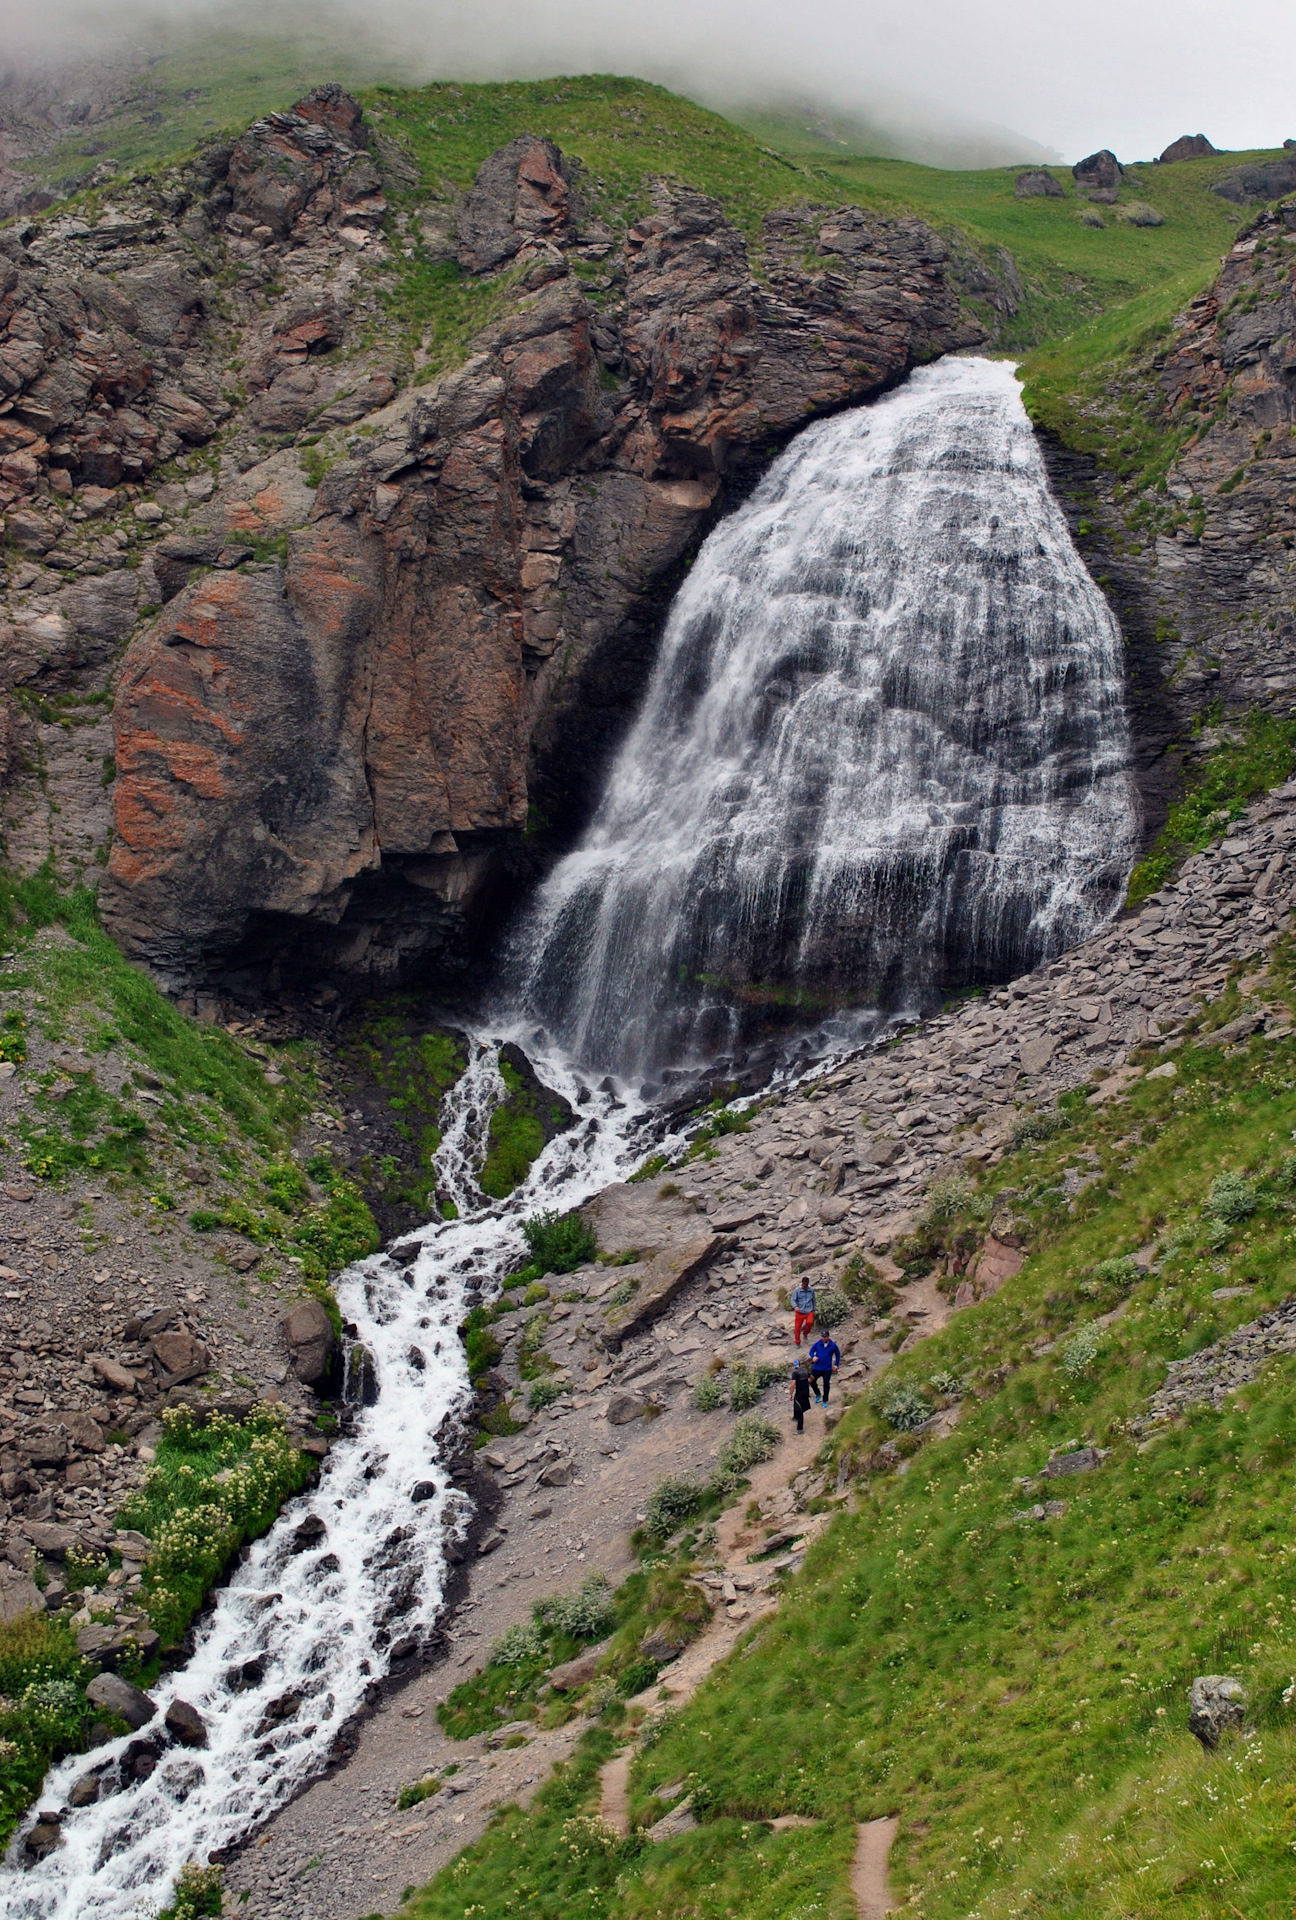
point(44, 1713)
point(558, 1629)
point(214, 1486)
point(1218, 790)
point(415, 1065)
point(521, 1126)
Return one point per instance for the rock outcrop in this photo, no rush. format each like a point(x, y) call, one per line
point(1189, 146)
point(1100, 172)
point(322, 764)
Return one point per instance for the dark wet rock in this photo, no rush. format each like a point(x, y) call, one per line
point(185, 1724)
point(311, 1341)
point(1189, 146)
point(109, 1690)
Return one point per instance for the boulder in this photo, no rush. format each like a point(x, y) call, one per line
point(19, 1596)
point(309, 1334)
point(1037, 181)
point(44, 1836)
point(1216, 1705)
point(559, 1473)
point(625, 1407)
point(578, 1672)
point(1099, 172)
point(179, 1357)
point(112, 1375)
point(108, 1645)
point(1036, 1053)
point(1189, 146)
point(665, 1642)
point(663, 1279)
point(185, 1724)
point(110, 1691)
point(51, 1540)
point(520, 199)
point(308, 1533)
point(84, 1431)
point(1083, 1460)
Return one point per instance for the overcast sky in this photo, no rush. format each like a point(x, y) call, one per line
point(1128, 74)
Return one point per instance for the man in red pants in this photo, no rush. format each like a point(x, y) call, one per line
point(803, 1305)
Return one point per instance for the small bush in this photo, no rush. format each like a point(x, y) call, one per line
point(1118, 1272)
point(946, 1384)
point(542, 1393)
point(519, 1644)
point(587, 1614)
point(638, 1675)
point(709, 1394)
point(831, 1308)
point(905, 1410)
point(949, 1197)
point(559, 1243)
point(671, 1503)
point(415, 1796)
point(197, 1894)
point(1233, 1197)
point(1033, 1129)
point(753, 1439)
point(744, 1389)
point(1081, 1350)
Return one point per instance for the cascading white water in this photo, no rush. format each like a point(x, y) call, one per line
point(883, 750)
point(318, 1623)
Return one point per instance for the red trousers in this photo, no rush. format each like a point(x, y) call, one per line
point(804, 1324)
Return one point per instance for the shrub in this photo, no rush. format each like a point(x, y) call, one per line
point(1233, 1197)
point(709, 1393)
point(638, 1675)
point(1033, 1129)
point(1118, 1272)
point(587, 1833)
point(744, 1389)
point(43, 1710)
point(945, 1383)
point(543, 1393)
point(559, 1243)
point(949, 1197)
point(1081, 1350)
point(675, 1500)
point(587, 1614)
point(415, 1796)
point(753, 1439)
point(197, 1894)
point(518, 1645)
point(831, 1308)
point(905, 1410)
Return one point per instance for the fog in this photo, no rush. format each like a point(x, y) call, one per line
point(1004, 80)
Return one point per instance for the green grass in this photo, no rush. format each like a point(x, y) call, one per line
point(1016, 1689)
point(44, 1713)
point(1217, 792)
point(212, 1488)
point(415, 1066)
point(516, 1136)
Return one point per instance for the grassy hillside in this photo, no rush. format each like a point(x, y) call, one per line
point(627, 132)
point(1012, 1680)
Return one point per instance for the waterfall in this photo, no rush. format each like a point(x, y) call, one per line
point(883, 751)
point(296, 1640)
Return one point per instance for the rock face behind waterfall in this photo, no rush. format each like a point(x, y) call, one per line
point(322, 767)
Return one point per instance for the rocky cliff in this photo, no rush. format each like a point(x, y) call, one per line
point(362, 667)
point(1199, 560)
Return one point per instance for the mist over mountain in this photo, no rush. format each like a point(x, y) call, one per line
point(941, 84)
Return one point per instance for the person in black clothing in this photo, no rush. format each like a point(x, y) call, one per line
point(825, 1358)
point(800, 1394)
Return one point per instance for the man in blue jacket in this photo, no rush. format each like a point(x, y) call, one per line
point(825, 1358)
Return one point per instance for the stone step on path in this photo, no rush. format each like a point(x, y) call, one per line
point(869, 1881)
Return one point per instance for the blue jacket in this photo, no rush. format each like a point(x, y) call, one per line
point(804, 1300)
point(825, 1354)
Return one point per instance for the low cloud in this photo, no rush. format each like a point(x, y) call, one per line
point(942, 81)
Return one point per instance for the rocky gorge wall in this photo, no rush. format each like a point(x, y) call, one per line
point(351, 682)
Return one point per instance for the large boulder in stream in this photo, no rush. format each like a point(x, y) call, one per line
point(311, 1341)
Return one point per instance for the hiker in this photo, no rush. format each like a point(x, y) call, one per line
point(825, 1358)
point(800, 1394)
point(803, 1304)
